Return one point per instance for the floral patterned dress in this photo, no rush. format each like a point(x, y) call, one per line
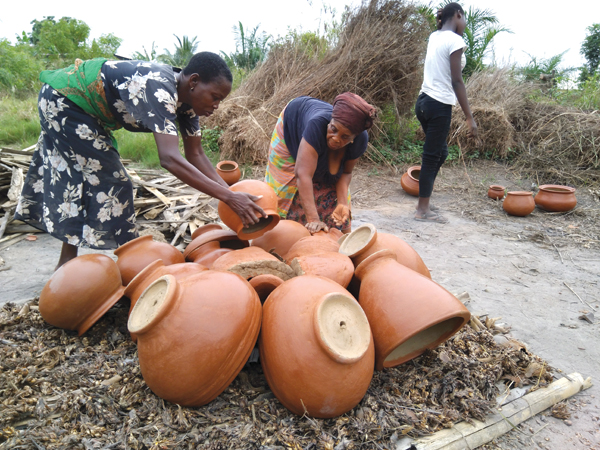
point(76, 188)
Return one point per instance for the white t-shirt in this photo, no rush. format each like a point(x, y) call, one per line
point(437, 80)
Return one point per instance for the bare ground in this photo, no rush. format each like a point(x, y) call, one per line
point(539, 273)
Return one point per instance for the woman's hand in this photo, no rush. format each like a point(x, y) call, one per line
point(473, 133)
point(340, 214)
point(315, 226)
point(243, 205)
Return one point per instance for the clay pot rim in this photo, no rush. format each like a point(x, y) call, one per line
point(137, 280)
point(524, 193)
point(209, 236)
point(205, 229)
point(497, 187)
point(410, 170)
point(380, 254)
point(275, 218)
point(369, 243)
point(221, 163)
point(130, 243)
point(557, 189)
point(168, 300)
point(90, 320)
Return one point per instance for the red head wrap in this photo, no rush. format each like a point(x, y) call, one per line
point(353, 112)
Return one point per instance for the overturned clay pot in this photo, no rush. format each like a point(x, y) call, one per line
point(251, 262)
point(281, 238)
point(332, 265)
point(311, 245)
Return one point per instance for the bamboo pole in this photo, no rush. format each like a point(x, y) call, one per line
point(464, 436)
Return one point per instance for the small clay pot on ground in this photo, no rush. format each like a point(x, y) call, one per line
point(496, 192)
point(229, 171)
point(556, 198)
point(519, 203)
point(410, 180)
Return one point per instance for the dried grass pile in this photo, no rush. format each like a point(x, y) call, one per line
point(379, 57)
point(58, 391)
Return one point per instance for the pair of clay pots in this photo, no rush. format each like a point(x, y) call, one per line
point(195, 334)
point(229, 171)
point(556, 198)
point(316, 347)
point(518, 203)
point(268, 202)
point(210, 242)
point(410, 180)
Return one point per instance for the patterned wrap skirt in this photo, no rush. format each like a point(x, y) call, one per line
point(76, 188)
point(281, 177)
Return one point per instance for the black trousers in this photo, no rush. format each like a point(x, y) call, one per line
point(435, 119)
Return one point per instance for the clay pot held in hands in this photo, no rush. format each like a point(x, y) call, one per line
point(556, 198)
point(496, 192)
point(285, 234)
point(410, 180)
point(316, 347)
point(194, 335)
point(229, 171)
point(136, 254)
point(268, 203)
point(80, 292)
point(519, 203)
point(407, 315)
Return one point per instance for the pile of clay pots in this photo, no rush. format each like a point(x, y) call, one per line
point(325, 309)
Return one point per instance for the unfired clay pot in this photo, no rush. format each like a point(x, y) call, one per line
point(264, 284)
point(268, 203)
point(519, 203)
point(556, 198)
point(496, 192)
point(407, 315)
point(332, 265)
point(285, 234)
point(410, 180)
point(316, 347)
point(311, 245)
point(80, 292)
point(229, 171)
point(194, 335)
point(133, 256)
point(204, 228)
point(253, 261)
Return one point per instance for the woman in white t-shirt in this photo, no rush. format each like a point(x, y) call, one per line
point(442, 86)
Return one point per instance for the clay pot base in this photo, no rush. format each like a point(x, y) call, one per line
point(150, 304)
point(342, 328)
point(356, 241)
point(421, 341)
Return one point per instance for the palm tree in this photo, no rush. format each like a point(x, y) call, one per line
point(250, 48)
point(145, 56)
point(183, 52)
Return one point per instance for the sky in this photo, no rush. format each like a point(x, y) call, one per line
point(540, 28)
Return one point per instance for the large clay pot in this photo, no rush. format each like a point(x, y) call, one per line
point(408, 312)
point(333, 233)
point(556, 198)
point(285, 234)
point(253, 261)
point(496, 192)
point(268, 203)
point(225, 238)
point(332, 265)
point(207, 257)
point(519, 203)
point(316, 347)
point(229, 171)
point(264, 284)
point(133, 256)
point(194, 335)
point(80, 292)
point(204, 228)
point(311, 245)
point(410, 180)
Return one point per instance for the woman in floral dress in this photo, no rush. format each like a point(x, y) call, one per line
point(76, 188)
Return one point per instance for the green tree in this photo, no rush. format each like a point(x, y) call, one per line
point(65, 39)
point(543, 66)
point(19, 67)
point(184, 50)
point(146, 56)
point(250, 48)
point(590, 49)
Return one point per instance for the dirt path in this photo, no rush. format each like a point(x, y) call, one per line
point(538, 273)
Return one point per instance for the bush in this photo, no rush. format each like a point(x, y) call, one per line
point(19, 121)
point(19, 69)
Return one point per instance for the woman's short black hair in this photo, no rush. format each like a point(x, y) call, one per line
point(209, 66)
point(447, 12)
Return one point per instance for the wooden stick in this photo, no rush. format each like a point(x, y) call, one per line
point(582, 300)
point(466, 436)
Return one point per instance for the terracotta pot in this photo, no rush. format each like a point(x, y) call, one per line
point(332, 265)
point(80, 292)
point(208, 257)
point(410, 180)
point(195, 334)
point(215, 235)
point(268, 203)
point(316, 347)
point(333, 233)
point(252, 261)
point(229, 171)
point(285, 234)
point(496, 192)
point(311, 245)
point(264, 284)
point(410, 314)
point(204, 228)
point(519, 203)
point(361, 244)
point(556, 198)
point(133, 256)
